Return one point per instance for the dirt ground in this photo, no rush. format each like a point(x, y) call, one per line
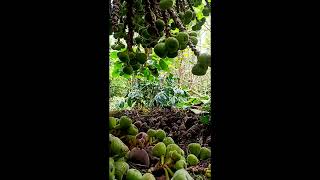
point(182, 125)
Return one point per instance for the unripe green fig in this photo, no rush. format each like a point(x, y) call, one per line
point(181, 164)
point(125, 122)
point(194, 148)
point(133, 130)
point(160, 50)
point(141, 58)
point(194, 40)
point(117, 147)
point(172, 55)
point(204, 59)
point(160, 25)
point(159, 149)
point(165, 4)
point(206, 11)
point(111, 169)
point(172, 44)
point(127, 69)
point(133, 174)
point(193, 34)
point(181, 174)
point(199, 69)
point(148, 176)
point(151, 132)
point(112, 122)
point(188, 14)
point(123, 56)
point(160, 134)
point(175, 155)
point(192, 160)
point(182, 37)
point(136, 67)
point(168, 140)
point(172, 147)
point(121, 169)
point(205, 153)
point(183, 46)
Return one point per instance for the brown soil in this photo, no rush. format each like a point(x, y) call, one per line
point(182, 125)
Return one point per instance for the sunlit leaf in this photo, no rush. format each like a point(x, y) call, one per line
point(113, 55)
point(163, 65)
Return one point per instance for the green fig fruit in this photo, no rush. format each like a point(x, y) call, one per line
point(192, 160)
point(141, 58)
point(133, 174)
point(127, 69)
point(168, 140)
point(205, 153)
point(172, 55)
point(159, 149)
point(148, 176)
point(192, 33)
point(172, 147)
point(206, 11)
point(151, 132)
point(160, 134)
point(183, 46)
point(121, 169)
point(181, 174)
point(199, 70)
point(161, 50)
point(133, 130)
point(165, 4)
point(172, 44)
point(175, 155)
point(125, 122)
point(117, 147)
point(112, 122)
point(194, 148)
point(182, 37)
point(160, 25)
point(136, 66)
point(181, 164)
point(188, 14)
point(194, 40)
point(123, 56)
point(111, 169)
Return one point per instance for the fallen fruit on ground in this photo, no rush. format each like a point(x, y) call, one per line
point(133, 174)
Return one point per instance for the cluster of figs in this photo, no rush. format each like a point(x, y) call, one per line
point(148, 26)
point(128, 146)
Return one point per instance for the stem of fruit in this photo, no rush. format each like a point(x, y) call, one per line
point(169, 170)
point(130, 25)
point(166, 173)
point(162, 159)
point(115, 14)
point(165, 19)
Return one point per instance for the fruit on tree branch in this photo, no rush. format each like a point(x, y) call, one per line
point(115, 14)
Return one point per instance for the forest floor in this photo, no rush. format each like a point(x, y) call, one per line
point(183, 126)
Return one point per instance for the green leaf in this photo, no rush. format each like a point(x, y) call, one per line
point(113, 55)
point(129, 102)
point(204, 119)
point(163, 65)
